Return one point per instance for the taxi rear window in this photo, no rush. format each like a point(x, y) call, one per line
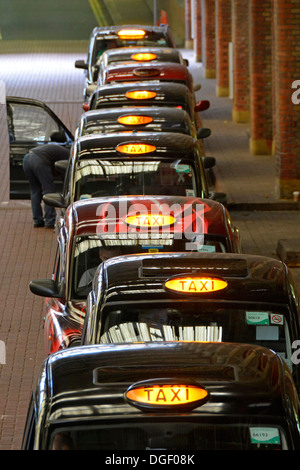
point(198, 321)
point(172, 435)
point(100, 178)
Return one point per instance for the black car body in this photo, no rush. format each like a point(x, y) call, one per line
point(30, 124)
point(108, 37)
point(148, 94)
point(134, 163)
point(145, 118)
point(195, 297)
point(163, 397)
point(115, 226)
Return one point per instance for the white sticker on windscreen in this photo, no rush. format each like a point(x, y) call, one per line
point(264, 436)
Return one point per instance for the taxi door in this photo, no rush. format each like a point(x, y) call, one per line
point(30, 124)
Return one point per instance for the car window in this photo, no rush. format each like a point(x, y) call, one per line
point(30, 123)
point(199, 321)
point(96, 178)
point(250, 433)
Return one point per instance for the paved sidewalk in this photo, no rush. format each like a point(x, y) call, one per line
point(28, 253)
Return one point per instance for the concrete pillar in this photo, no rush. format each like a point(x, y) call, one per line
point(286, 44)
point(241, 81)
point(198, 31)
point(209, 38)
point(189, 44)
point(261, 77)
point(223, 38)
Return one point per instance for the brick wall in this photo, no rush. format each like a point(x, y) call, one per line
point(198, 31)
point(188, 25)
point(286, 17)
point(261, 77)
point(241, 80)
point(209, 38)
point(223, 37)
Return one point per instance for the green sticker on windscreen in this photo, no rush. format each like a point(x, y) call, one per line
point(264, 436)
point(182, 168)
point(257, 318)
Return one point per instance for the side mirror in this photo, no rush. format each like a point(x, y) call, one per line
point(203, 133)
point(81, 64)
point(197, 87)
point(45, 288)
point(186, 62)
point(90, 89)
point(55, 200)
point(85, 107)
point(61, 165)
point(219, 197)
point(208, 162)
point(202, 105)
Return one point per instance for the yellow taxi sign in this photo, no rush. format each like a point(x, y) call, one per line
point(153, 396)
point(140, 94)
point(135, 148)
point(195, 284)
point(144, 56)
point(135, 120)
point(131, 33)
point(150, 220)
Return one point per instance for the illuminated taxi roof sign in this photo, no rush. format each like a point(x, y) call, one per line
point(150, 220)
point(135, 148)
point(166, 396)
point(195, 284)
point(131, 33)
point(135, 120)
point(140, 94)
point(144, 56)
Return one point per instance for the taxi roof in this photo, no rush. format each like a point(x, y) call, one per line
point(250, 277)
point(168, 145)
point(115, 28)
point(146, 71)
point(164, 118)
point(125, 53)
point(98, 376)
point(85, 214)
point(114, 94)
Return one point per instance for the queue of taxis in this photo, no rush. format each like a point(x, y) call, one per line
point(160, 333)
point(164, 396)
point(95, 229)
point(110, 37)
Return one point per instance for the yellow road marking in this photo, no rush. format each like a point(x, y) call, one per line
point(94, 4)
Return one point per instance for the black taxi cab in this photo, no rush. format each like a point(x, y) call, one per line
point(227, 297)
point(143, 163)
point(148, 93)
point(96, 229)
point(163, 397)
point(31, 123)
point(145, 118)
point(138, 55)
point(109, 37)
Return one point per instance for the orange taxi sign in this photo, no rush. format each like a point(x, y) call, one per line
point(135, 120)
point(195, 284)
point(135, 148)
point(141, 94)
point(131, 33)
point(144, 56)
point(163, 396)
point(150, 220)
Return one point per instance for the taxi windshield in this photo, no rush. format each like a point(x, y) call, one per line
point(198, 321)
point(99, 178)
point(113, 41)
point(90, 251)
point(251, 433)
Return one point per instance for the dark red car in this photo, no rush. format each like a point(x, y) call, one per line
point(160, 71)
point(95, 229)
